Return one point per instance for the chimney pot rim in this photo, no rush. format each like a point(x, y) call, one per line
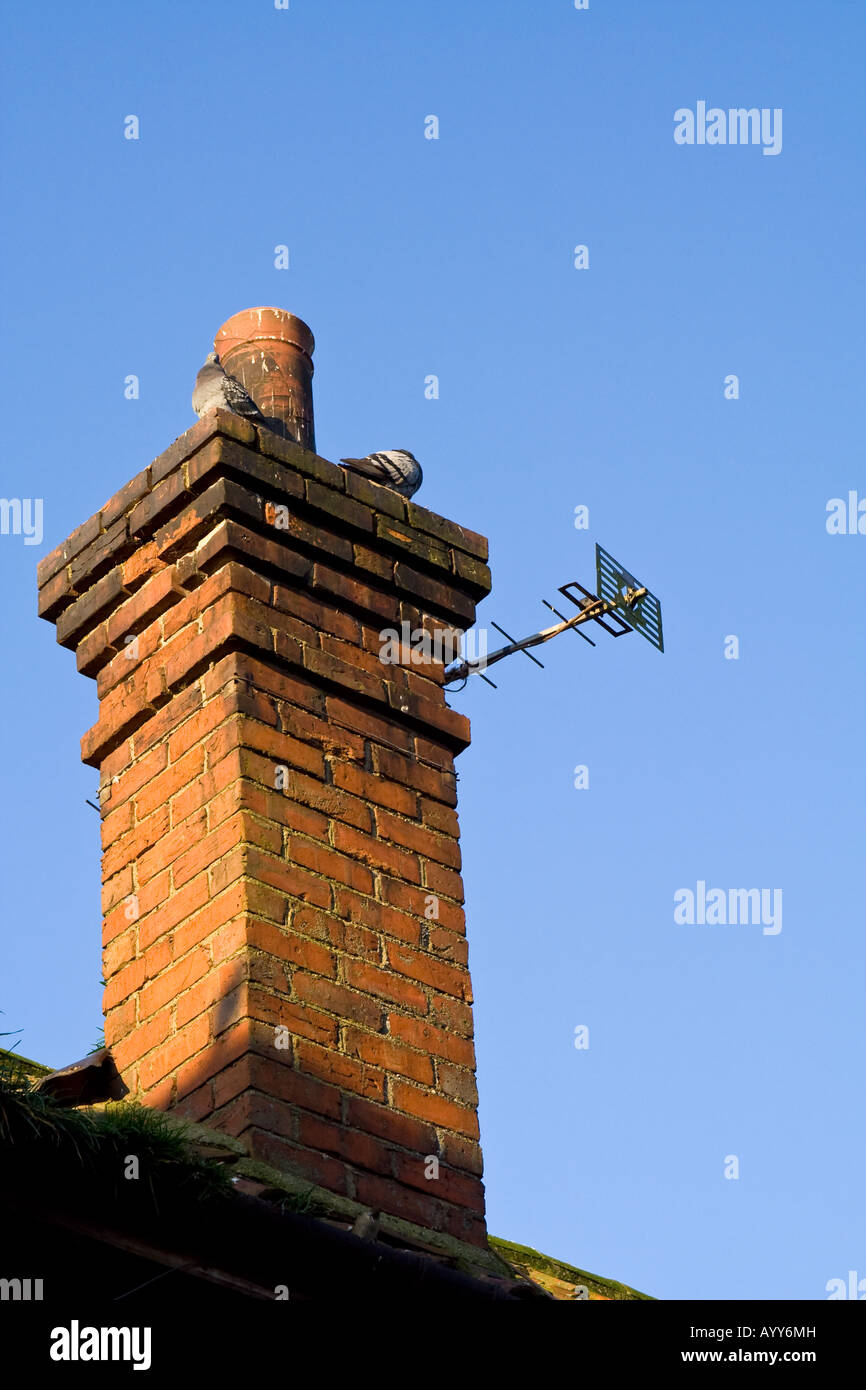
point(265, 323)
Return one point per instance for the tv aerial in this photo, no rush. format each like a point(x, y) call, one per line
point(622, 604)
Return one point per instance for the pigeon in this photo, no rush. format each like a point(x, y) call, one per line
point(366, 1226)
point(216, 390)
point(394, 468)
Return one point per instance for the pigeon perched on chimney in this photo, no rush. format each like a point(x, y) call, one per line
point(394, 468)
point(216, 390)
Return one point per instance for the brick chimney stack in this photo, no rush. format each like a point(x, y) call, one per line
point(284, 944)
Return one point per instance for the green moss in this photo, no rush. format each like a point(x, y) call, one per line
point(10, 1062)
point(526, 1258)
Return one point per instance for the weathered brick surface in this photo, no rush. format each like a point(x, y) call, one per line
point(284, 946)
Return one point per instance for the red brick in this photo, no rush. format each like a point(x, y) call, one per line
point(453, 1014)
point(382, 730)
point(119, 951)
point(326, 995)
point(353, 592)
point(419, 965)
point(230, 541)
point(391, 1056)
point(383, 499)
point(326, 667)
point(143, 562)
point(376, 789)
point(358, 1149)
point(166, 988)
point(230, 1046)
point(128, 980)
point(476, 574)
point(170, 847)
point(158, 956)
point(385, 985)
point(94, 651)
point(443, 881)
point(341, 1071)
point(436, 1109)
point(133, 776)
point(205, 787)
point(448, 945)
point(378, 855)
point(330, 865)
point(447, 531)
point(287, 878)
point(199, 926)
point(117, 823)
point(254, 1111)
point(277, 1078)
point(458, 1083)
point(241, 732)
point(460, 1152)
point(194, 729)
point(425, 1036)
point(147, 1035)
point(240, 829)
point(168, 914)
point(105, 551)
point(387, 1124)
point(116, 888)
point(437, 783)
point(296, 794)
point(349, 937)
point(419, 838)
point(323, 617)
point(219, 983)
point(434, 753)
point(462, 1225)
point(288, 946)
point(450, 1186)
point(84, 614)
point(120, 1021)
point(239, 698)
point(420, 902)
point(318, 1168)
point(148, 603)
point(171, 1055)
point(169, 717)
point(196, 1107)
point(402, 1201)
point(377, 915)
point(249, 671)
point(161, 789)
point(440, 817)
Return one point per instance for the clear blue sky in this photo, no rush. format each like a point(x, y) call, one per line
point(559, 387)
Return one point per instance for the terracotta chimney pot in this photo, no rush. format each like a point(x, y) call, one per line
point(271, 352)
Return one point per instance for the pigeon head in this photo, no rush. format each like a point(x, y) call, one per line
point(213, 357)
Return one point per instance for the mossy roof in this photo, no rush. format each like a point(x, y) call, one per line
point(182, 1143)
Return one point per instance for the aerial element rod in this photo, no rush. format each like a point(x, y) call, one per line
point(624, 602)
point(590, 610)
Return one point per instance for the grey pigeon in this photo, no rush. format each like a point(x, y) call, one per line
point(394, 468)
point(216, 390)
